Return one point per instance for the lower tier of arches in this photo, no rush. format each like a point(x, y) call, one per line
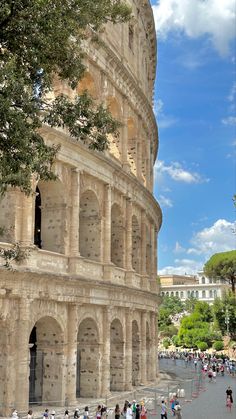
point(54, 352)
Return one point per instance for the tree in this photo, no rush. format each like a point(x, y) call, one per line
point(224, 311)
point(222, 266)
point(38, 40)
point(190, 303)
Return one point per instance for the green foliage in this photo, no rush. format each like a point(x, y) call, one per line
point(173, 304)
point(16, 253)
point(218, 345)
point(225, 312)
point(222, 266)
point(202, 346)
point(169, 307)
point(190, 304)
point(197, 327)
point(166, 343)
point(38, 39)
point(169, 330)
point(175, 340)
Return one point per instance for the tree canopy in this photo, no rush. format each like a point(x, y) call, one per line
point(222, 266)
point(225, 314)
point(38, 40)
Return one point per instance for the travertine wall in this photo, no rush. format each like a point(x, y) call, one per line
point(78, 316)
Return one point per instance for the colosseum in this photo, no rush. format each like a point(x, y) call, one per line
point(78, 315)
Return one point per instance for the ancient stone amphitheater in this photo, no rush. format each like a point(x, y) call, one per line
point(78, 316)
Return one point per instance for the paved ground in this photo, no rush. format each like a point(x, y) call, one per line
point(210, 403)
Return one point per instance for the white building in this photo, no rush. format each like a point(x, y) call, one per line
point(198, 286)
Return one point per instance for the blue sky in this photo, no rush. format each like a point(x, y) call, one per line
point(195, 99)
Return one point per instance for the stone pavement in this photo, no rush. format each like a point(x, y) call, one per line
point(210, 404)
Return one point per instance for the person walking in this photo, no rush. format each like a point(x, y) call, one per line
point(66, 414)
point(117, 412)
point(178, 409)
point(129, 413)
point(99, 412)
point(163, 410)
point(229, 393)
point(30, 414)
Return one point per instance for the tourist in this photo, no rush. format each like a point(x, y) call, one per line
point(66, 414)
point(53, 413)
point(178, 410)
point(129, 413)
point(99, 412)
point(104, 411)
point(138, 411)
point(228, 403)
point(163, 410)
point(117, 412)
point(143, 413)
point(229, 393)
point(14, 414)
point(86, 412)
point(134, 408)
point(125, 408)
point(30, 414)
point(45, 414)
point(76, 414)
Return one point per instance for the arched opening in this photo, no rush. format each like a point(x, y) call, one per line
point(87, 83)
point(148, 352)
point(114, 142)
point(87, 359)
point(136, 245)
point(46, 345)
point(135, 354)
point(116, 357)
point(117, 236)
point(148, 252)
point(90, 226)
point(132, 146)
point(50, 210)
point(37, 218)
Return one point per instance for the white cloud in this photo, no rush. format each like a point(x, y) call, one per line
point(182, 267)
point(230, 120)
point(164, 201)
point(196, 18)
point(177, 173)
point(217, 238)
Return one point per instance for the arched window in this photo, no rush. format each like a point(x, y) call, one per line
point(215, 293)
point(189, 293)
point(117, 236)
point(172, 293)
point(211, 294)
point(196, 294)
point(203, 294)
point(177, 293)
point(136, 245)
point(181, 294)
point(203, 280)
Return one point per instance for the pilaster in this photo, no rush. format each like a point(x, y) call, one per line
point(128, 252)
point(128, 350)
point(143, 348)
point(105, 367)
point(75, 207)
point(107, 226)
point(143, 243)
point(72, 332)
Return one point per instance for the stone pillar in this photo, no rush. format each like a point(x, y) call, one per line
point(105, 367)
point(124, 129)
point(27, 220)
point(22, 350)
point(107, 226)
point(143, 348)
point(143, 243)
point(153, 320)
point(72, 332)
point(75, 207)
point(128, 350)
point(128, 250)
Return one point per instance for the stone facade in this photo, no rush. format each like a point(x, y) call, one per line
point(78, 316)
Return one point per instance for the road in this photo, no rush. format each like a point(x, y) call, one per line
point(209, 402)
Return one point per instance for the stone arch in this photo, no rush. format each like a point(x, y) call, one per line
point(135, 354)
point(90, 226)
point(114, 142)
point(136, 245)
point(53, 215)
point(116, 356)
point(88, 83)
point(87, 383)
point(47, 361)
point(132, 145)
point(148, 251)
point(117, 236)
point(148, 352)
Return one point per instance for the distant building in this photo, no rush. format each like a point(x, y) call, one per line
point(198, 286)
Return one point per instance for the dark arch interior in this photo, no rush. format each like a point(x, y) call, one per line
point(37, 218)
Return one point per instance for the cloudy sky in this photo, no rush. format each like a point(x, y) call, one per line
point(195, 99)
